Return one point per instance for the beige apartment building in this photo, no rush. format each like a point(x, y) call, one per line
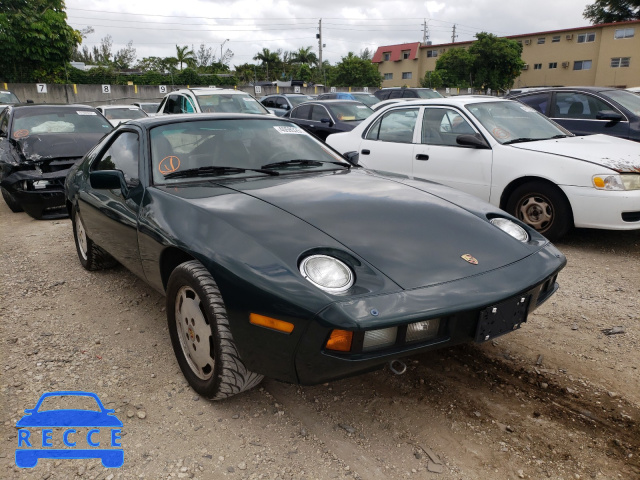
point(604, 55)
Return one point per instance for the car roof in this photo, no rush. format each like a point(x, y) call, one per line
point(118, 106)
point(333, 101)
point(577, 88)
point(209, 91)
point(458, 100)
point(150, 122)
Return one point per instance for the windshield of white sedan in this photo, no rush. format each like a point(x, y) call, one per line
point(512, 122)
point(350, 112)
point(243, 147)
point(230, 103)
point(123, 113)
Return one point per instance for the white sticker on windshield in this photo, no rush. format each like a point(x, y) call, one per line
point(363, 106)
point(249, 99)
point(85, 112)
point(527, 109)
point(289, 130)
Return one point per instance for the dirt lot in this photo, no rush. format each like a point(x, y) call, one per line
point(557, 399)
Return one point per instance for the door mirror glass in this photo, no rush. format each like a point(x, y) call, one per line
point(609, 115)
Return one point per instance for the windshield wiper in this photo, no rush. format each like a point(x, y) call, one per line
point(562, 135)
point(214, 171)
point(310, 163)
point(522, 139)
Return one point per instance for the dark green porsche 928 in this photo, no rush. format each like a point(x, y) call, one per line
point(280, 258)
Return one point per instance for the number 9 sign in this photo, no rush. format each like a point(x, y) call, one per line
point(163, 89)
point(106, 88)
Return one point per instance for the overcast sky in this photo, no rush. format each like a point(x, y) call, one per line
point(155, 27)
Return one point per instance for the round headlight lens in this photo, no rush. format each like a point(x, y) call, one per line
point(327, 273)
point(513, 229)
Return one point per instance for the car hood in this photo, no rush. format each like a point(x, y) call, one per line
point(50, 146)
point(618, 154)
point(408, 233)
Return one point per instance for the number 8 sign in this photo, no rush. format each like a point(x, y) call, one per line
point(106, 88)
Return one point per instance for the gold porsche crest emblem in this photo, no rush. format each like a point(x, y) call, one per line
point(470, 258)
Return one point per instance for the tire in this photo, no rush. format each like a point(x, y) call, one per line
point(543, 207)
point(200, 335)
point(11, 202)
point(91, 256)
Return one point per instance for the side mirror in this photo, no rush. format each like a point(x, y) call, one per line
point(327, 120)
point(352, 157)
point(609, 115)
point(471, 141)
point(107, 180)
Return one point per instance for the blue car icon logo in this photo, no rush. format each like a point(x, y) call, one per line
point(84, 433)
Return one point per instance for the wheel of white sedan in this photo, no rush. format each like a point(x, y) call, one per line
point(543, 207)
point(91, 256)
point(200, 334)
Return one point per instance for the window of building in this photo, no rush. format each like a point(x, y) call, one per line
point(624, 33)
point(405, 54)
point(432, 53)
point(555, 39)
point(618, 62)
point(553, 65)
point(520, 42)
point(407, 75)
point(388, 76)
point(582, 65)
point(386, 56)
point(586, 37)
point(537, 66)
point(541, 40)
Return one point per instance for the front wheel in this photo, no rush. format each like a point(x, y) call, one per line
point(201, 337)
point(91, 256)
point(541, 206)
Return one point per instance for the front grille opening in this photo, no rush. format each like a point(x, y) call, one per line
point(631, 217)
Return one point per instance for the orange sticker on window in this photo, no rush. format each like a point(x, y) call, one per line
point(169, 165)
point(500, 133)
point(20, 133)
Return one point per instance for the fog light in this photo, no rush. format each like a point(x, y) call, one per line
point(39, 184)
point(383, 337)
point(423, 330)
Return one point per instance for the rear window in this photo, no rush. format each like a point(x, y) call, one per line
point(230, 103)
point(350, 112)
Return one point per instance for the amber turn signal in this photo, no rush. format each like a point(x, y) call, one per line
point(272, 323)
point(340, 340)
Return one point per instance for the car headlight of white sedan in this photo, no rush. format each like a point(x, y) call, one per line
point(629, 181)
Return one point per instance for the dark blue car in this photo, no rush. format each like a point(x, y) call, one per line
point(27, 455)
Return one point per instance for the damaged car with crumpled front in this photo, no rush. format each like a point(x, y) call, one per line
point(38, 146)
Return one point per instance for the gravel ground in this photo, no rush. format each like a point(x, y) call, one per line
point(558, 399)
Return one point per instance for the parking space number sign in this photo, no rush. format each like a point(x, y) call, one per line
point(333, 90)
point(258, 89)
point(42, 87)
point(296, 89)
point(106, 88)
point(163, 89)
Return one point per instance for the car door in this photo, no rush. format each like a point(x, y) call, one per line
point(172, 105)
point(578, 112)
point(186, 105)
point(110, 216)
point(300, 115)
point(388, 142)
point(319, 124)
point(438, 156)
point(281, 106)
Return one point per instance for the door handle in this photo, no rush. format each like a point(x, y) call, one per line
point(365, 152)
point(422, 156)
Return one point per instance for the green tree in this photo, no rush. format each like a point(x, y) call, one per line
point(303, 72)
point(455, 67)
point(125, 58)
point(608, 11)
point(270, 60)
point(34, 38)
point(432, 80)
point(304, 56)
point(353, 71)
point(496, 61)
point(183, 55)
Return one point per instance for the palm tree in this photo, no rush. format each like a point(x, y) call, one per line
point(185, 56)
point(306, 56)
point(268, 59)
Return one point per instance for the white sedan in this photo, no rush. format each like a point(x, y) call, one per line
point(508, 154)
point(117, 114)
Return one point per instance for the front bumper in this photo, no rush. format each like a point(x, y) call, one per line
point(614, 210)
point(40, 203)
point(457, 304)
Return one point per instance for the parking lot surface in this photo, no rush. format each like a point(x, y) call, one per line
point(559, 398)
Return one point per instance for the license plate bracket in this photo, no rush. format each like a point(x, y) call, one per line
point(502, 318)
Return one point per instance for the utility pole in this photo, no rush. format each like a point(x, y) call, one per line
point(454, 36)
point(425, 32)
point(319, 37)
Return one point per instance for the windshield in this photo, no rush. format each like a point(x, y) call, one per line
point(34, 121)
point(240, 143)
point(366, 98)
point(628, 100)
point(8, 97)
point(230, 103)
point(349, 112)
point(149, 107)
point(510, 121)
point(428, 94)
point(123, 113)
point(295, 101)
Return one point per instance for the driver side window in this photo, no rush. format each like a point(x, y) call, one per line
point(396, 126)
point(123, 155)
